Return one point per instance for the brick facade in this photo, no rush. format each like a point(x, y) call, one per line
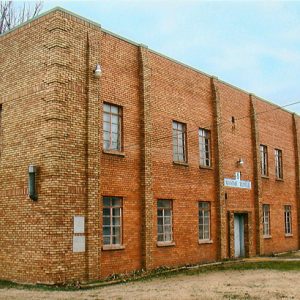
point(51, 115)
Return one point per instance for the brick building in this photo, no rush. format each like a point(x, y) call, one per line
point(152, 164)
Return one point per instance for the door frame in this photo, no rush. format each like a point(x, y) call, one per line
point(248, 232)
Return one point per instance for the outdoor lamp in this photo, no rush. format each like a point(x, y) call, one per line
point(97, 71)
point(240, 162)
point(32, 170)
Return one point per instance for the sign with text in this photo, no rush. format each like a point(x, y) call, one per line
point(237, 182)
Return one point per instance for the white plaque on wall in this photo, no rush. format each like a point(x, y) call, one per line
point(78, 224)
point(78, 243)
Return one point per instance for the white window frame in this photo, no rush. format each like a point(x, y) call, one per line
point(264, 160)
point(204, 147)
point(288, 219)
point(204, 214)
point(112, 236)
point(266, 220)
point(278, 164)
point(164, 221)
point(112, 127)
point(179, 142)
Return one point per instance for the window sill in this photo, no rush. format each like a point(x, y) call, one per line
point(181, 163)
point(165, 244)
point(113, 152)
point(265, 177)
point(279, 179)
point(205, 167)
point(112, 247)
point(266, 237)
point(288, 235)
point(201, 242)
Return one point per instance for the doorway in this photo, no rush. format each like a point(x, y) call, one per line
point(239, 235)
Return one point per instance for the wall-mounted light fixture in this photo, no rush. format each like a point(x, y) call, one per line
point(97, 71)
point(240, 162)
point(32, 170)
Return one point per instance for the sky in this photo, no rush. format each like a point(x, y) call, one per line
point(254, 45)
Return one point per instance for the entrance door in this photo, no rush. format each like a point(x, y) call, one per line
point(239, 239)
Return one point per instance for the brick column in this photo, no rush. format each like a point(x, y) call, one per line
point(296, 125)
point(257, 178)
point(146, 159)
point(93, 209)
point(53, 145)
point(219, 177)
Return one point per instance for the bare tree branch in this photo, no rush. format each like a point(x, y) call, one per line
point(12, 15)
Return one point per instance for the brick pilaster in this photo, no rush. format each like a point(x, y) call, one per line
point(219, 178)
point(257, 178)
point(296, 125)
point(146, 165)
point(54, 132)
point(93, 203)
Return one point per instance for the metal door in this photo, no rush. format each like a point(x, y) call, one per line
point(239, 240)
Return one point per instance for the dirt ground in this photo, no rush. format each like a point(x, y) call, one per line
point(250, 284)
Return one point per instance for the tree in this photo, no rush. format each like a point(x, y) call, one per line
point(12, 15)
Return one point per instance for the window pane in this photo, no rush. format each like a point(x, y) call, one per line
point(106, 240)
point(116, 211)
point(160, 229)
point(115, 146)
point(115, 128)
point(168, 237)
point(106, 145)
point(167, 212)
point(106, 126)
point(167, 220)
point(116, 240)
point(106, 230)
point(106, 220)
point(115, 119)
point(106, 118)
point(106, 212)
point(116, 201)
point(106, 107)
point(106, 201)
point(116, 220)
point(160, 237)
point(106, 136)
point(114, 109)
point(164, 203)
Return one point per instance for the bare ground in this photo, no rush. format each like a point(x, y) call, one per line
point(248, 284)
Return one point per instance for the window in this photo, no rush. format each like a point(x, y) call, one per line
point(164, 221)
point(288, 219)
point(264, 160)
point(278, 164)
point(179, 142)
point(266, 220)
point(112, 221)
point(204, 147)
point(112, 127)
point(204, 221)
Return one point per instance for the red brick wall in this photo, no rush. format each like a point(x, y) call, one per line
point(237, 144)
point(276, 132)
point(121, 175)
point(183, 95)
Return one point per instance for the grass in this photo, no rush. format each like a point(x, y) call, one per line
point(166, 273)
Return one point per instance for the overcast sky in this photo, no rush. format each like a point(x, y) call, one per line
point(253, 45)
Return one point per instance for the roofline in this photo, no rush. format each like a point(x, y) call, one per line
point(58, 8)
